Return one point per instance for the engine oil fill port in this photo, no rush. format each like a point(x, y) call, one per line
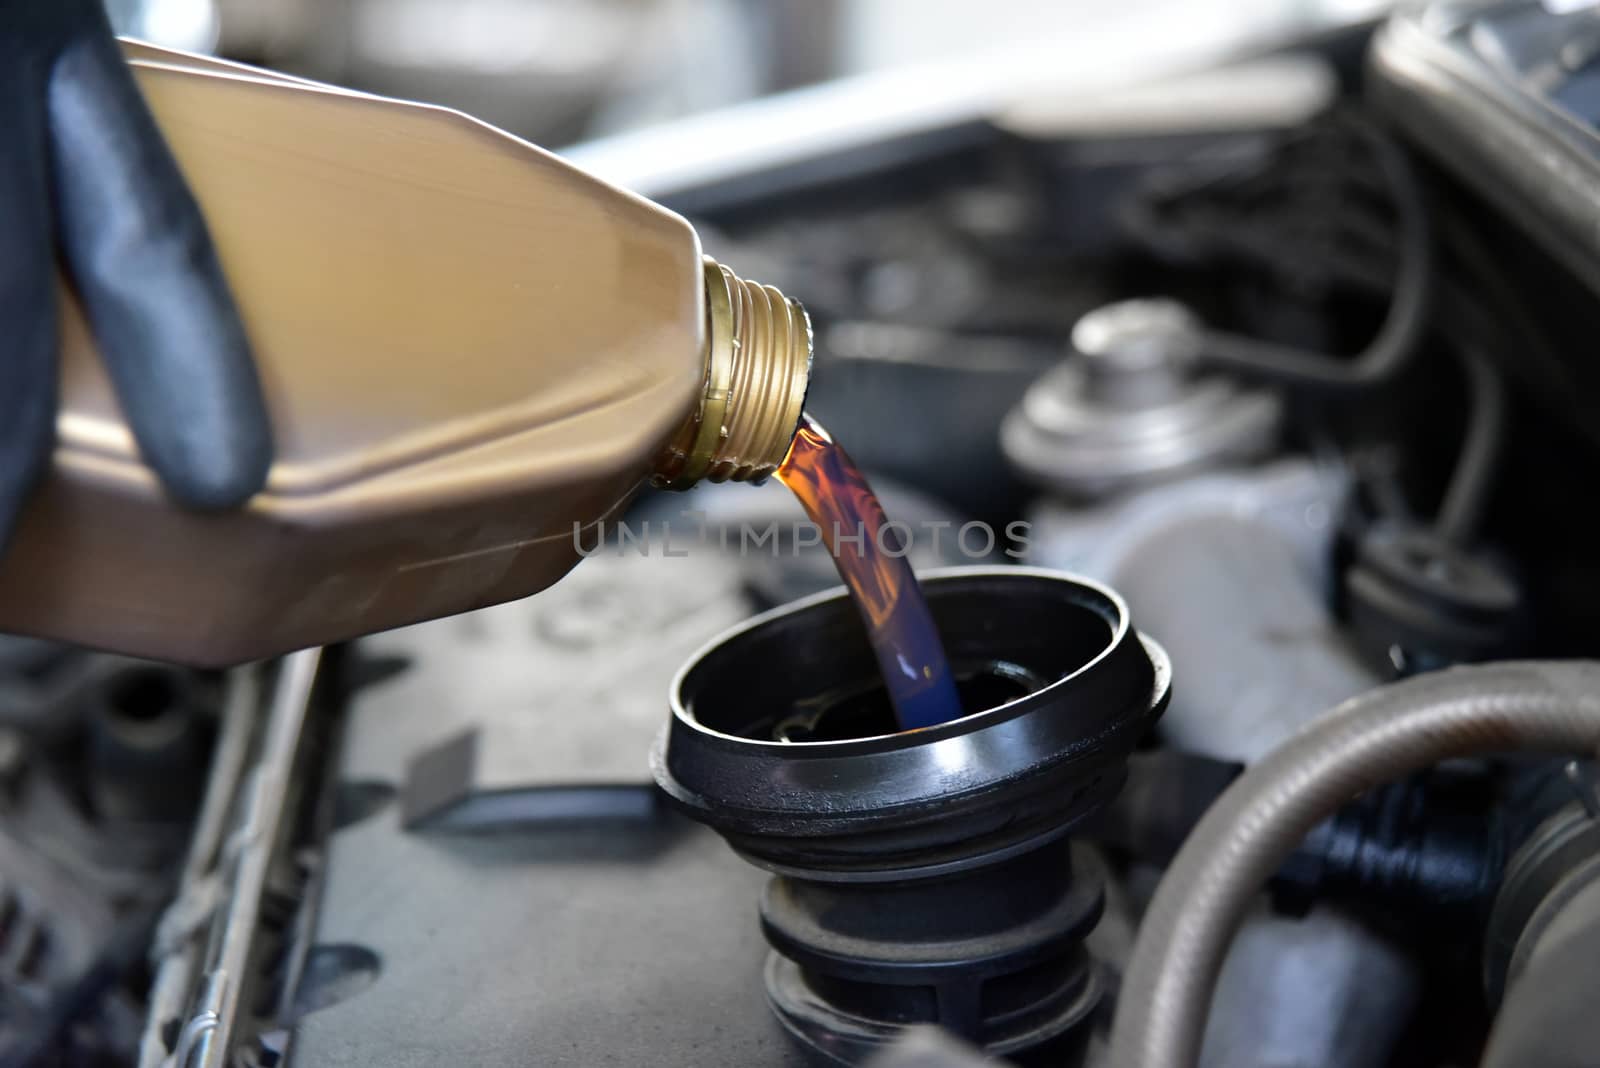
point(783, 740)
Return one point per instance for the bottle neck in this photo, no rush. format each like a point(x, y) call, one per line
point(757, 367)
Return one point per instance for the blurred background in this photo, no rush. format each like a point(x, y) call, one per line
point(559, 71)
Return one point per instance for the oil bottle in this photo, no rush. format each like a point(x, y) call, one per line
point(467, 345)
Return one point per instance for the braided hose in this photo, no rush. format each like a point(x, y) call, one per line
point(1249, 832)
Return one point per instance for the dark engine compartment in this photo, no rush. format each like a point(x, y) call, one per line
point(444, 844)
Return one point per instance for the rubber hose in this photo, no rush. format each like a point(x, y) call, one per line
point(1368, 740)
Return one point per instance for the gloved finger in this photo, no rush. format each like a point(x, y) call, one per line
point(27, 289)
point(152, 289)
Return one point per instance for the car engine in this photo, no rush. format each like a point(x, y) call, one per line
point(1282, 361)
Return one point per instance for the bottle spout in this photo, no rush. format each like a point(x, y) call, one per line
point(757, 367)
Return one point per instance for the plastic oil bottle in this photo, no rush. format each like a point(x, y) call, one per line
point(467, 347)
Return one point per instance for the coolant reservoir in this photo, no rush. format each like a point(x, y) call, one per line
point(468, 348)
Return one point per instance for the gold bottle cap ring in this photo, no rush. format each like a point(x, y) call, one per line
point(757, 354)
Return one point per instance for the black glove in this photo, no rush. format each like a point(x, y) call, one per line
point(84, 173)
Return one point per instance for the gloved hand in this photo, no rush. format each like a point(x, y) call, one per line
point(84, 173)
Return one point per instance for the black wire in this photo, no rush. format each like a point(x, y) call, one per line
point(1358, 260)
point(1471, 482)
point(1538, 352)
point(1192, 216)
point(1403, 327)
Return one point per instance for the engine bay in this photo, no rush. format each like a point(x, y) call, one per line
point(1288, 354)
